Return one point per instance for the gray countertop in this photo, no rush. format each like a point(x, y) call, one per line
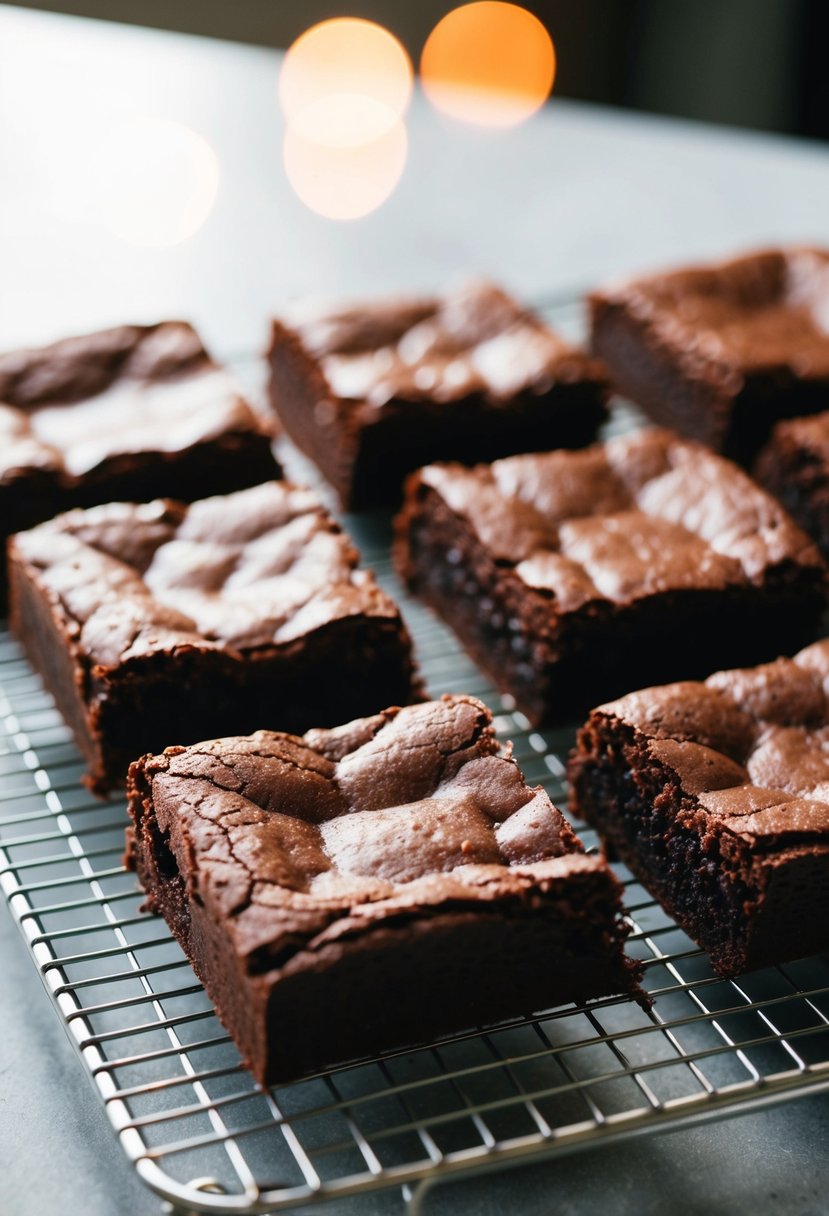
point(573, 197)
point(59, 1154)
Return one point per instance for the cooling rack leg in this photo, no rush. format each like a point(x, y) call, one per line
point(208, 1185)
point(417, 1195)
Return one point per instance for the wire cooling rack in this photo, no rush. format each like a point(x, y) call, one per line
point(204, 1136)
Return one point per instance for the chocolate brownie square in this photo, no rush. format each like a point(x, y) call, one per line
point(372, 392)
point(160, 622)
point(794, 466)
point(716, 795)
point(371, 887)
point(129, 413)
point(721, 352)
point(574, 576)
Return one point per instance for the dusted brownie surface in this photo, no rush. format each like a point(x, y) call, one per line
point(164, 621)
point(371, 392)
point(720, 352)
point(371, 886)
point(716, 795)
point(127, 413)
point(569, 575)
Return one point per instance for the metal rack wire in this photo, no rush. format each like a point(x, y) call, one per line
point(206, 1138)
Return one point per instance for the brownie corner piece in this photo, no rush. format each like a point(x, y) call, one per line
point(721, 351)
point(373, 391)
point(574, 576)
point(716, 796)
point(166, 622)
point(397, 870)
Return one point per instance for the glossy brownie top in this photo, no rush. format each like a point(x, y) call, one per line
point(640, 515)
point(136, 389)
point(751, 744)
point(314, 839)
point(260, 568)
point(759, 312)
point(473, 341)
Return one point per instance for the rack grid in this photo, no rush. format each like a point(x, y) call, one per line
point(206, 1138)
point(201, 1132)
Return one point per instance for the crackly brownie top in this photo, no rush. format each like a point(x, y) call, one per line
point(259, 568)
point(299, 841)
point(752, 744)
point(134, 389)
point(474, 341)
point(640, 515)
point(763, 311)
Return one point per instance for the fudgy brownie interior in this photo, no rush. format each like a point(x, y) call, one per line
point(716, 795)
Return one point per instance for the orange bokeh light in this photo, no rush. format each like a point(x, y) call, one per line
point(348, 180)
point(344, 57)
point(344, 87)
point(489, 63)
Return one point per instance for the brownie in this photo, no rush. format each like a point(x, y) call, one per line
point(159, 622)
point(574, 576)
point(128, 413)
point(373, 392)
point(794, 466)
point(371, 887)
point(716, 795)
point(721, 352)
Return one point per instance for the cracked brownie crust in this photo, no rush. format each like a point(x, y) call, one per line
point(573, 576)
point(131, 413)
point(721, 352)
point(162, 621)
point(716, 795)
point(372, 392)
point(372, 886)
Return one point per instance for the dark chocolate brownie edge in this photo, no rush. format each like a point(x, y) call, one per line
point(707, 401)
point(473, 430)
point(301, 399)
point(25, 500)
point(48, 640)
point(710, 881)
point(340, 671)
point(233, 460)
point(441, 561)
point(766, 399)
point(557, 665)
point(649, 374)
point(404, 982)
point(366, 460)
point(799, 478)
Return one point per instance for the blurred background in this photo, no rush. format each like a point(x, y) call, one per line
point(752, 63)
point(149, 173)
